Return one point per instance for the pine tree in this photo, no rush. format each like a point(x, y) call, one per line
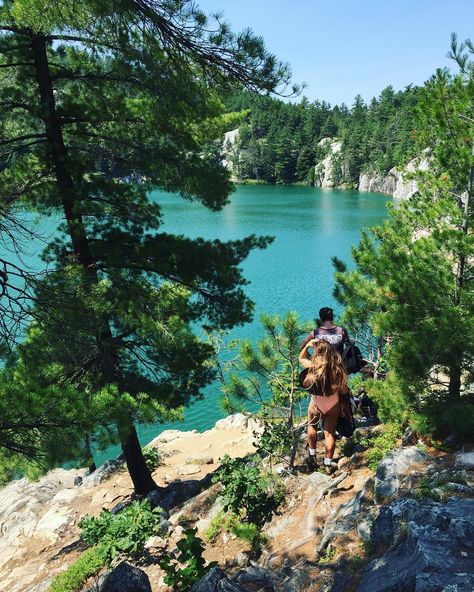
point(101, 102)
point(266, 377)
point(414, 277)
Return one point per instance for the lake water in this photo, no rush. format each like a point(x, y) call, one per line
point(310, 226)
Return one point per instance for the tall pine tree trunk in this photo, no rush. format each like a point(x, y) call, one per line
point(454, 387)
point(139, 472)
point(455, 373)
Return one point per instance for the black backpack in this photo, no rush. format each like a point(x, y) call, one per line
point(352, 357)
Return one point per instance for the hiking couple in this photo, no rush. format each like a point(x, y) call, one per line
point(325, 378)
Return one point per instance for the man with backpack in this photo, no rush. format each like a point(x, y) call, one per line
point(336, 336)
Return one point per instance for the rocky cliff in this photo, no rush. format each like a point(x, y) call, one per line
point(330, 171)
point(407, 527)
point(229, 150)
point(395, 182)
point(327, 172)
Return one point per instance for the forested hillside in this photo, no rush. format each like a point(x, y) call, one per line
point(279, 141)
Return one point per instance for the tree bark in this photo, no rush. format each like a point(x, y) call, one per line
point(142, 480)
point(139, 472)
point(454, 387)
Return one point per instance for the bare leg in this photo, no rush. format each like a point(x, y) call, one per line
point(313, 418)
point(330, 423)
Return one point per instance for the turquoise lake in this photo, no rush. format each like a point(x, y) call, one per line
point(310, 226)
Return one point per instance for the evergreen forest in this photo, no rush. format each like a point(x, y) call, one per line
point(280, 141)
point(103, 102)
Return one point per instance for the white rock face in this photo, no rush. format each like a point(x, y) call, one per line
point(238, 421)
point(36, 509)
point(324, 170)
point(395, 182)
point(379, 183)
point(228, 148)
point(188, 469)
point(53, 523)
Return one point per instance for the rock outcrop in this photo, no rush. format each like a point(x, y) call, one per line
point(395, 182)
point(325, 172)
point(430, 547)
point(126, 578)
point(416, 515)
point(229, 150)
point(396, 463)
point(38, 520)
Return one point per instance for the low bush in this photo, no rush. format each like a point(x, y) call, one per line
point(215, 527)
point(247, 491)
point(246, 531)
point(75, 576)
point(189, 566)
point(250, 533)
point(124, 533)
point(381, 444)
point(152, 457)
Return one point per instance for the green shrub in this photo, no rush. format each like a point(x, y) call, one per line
point(190, 556)
point(249, 532)
point(152, 457)
point(328, 556)
point(369, 548)
point(424, 489)
point(382, 444)
point(73, 579)
point(247, 489)
point(354, 563)
point(453, 417)
point(124, 533)
point(215, 527)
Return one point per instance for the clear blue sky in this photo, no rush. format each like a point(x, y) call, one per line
point(341, 48)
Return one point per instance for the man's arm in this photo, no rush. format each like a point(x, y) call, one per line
point(307, 339)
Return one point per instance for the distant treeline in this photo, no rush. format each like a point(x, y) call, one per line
point(278, 141)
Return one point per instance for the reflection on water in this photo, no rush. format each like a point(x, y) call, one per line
point(310, 226)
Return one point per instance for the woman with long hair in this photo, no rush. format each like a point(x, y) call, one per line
point(326, 380)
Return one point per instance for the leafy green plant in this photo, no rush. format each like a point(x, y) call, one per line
point(215, 527)
point(152, 457)
point(73, 579)
point(354, 563)
point(190, 566)
point(249, 532)
point(425, 489)
point(369, 548)
point(124, 533)
point(245, 488)
point(382, 444)
point(328, 556)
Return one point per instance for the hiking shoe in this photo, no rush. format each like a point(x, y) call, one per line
point(311, 463)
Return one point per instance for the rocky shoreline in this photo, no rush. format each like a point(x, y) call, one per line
point(408, 527)
point(395, 182)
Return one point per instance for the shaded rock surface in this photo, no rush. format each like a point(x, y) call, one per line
point(126, 578)
point(465, 460)
point(216, 581)
point(396, 463)
point(430, 544)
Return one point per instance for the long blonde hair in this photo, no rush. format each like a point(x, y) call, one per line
point(327, 371)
